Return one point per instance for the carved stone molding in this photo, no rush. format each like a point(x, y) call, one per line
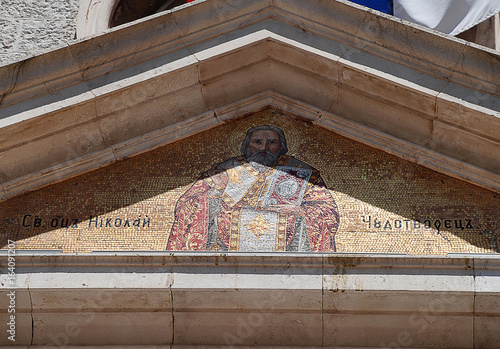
point(409, 91)
point(236, 299)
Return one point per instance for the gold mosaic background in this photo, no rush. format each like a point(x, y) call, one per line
point(386, 204)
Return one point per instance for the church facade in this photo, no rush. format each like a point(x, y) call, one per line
point(264, 173)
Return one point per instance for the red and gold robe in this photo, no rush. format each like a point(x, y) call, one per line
point(209, 215)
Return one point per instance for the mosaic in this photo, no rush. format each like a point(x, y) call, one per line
point(264, 182)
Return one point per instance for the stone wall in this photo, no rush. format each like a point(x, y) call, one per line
point(31, 27)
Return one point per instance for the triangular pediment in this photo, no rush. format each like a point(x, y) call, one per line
point(200, 194)
point(131, 141)
point(390, 85)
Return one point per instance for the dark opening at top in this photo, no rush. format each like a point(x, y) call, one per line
point(130, 10)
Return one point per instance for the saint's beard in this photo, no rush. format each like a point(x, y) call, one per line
point(266, 159)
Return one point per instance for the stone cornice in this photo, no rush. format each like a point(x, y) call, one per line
point(414, 93)
point(318, 300)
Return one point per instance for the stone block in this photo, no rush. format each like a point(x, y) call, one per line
point(392, 90)
point(248, 328)
point(247, 300)
point(158, 113)
point(356, 105)
point(350, 301)
point(101, 328)
point(465, 115)
point(21, 306)
point(144, 316)
point(474, 76)
point(50, 151)
point(125, 46)
point(369, 303)
point(101, 300)
point(228, 277)
point(487, 300)
point(398, 70)
point(274, 76)
point(33, 130)
point(166, 135)
point(238, 85)
point(219, 16)
point(226, 58)
point(397, 330)
point(315, 61)
point(486, 334)
point(312, 89)
point(465, 146)
point(122, 90)
point(47, 103)
point(36, 78)
point(23, 329)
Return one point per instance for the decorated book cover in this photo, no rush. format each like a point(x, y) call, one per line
point(285, 185)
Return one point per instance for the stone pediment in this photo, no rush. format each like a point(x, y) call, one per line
point(372, 78)
point(113, 122)
point(200, 194)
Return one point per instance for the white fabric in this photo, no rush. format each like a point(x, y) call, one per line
point(447, 16)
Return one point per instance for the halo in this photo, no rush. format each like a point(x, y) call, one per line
point(293, 134)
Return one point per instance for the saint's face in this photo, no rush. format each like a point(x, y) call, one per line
point(263, 141)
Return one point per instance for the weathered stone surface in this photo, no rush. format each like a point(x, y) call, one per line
point(145, 79)
point(30, 27)
point(236, 299)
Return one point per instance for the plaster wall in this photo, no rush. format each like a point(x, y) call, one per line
point(31, 27)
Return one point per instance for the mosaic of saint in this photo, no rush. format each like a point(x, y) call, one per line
point(267, 181)
point(262, 200)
